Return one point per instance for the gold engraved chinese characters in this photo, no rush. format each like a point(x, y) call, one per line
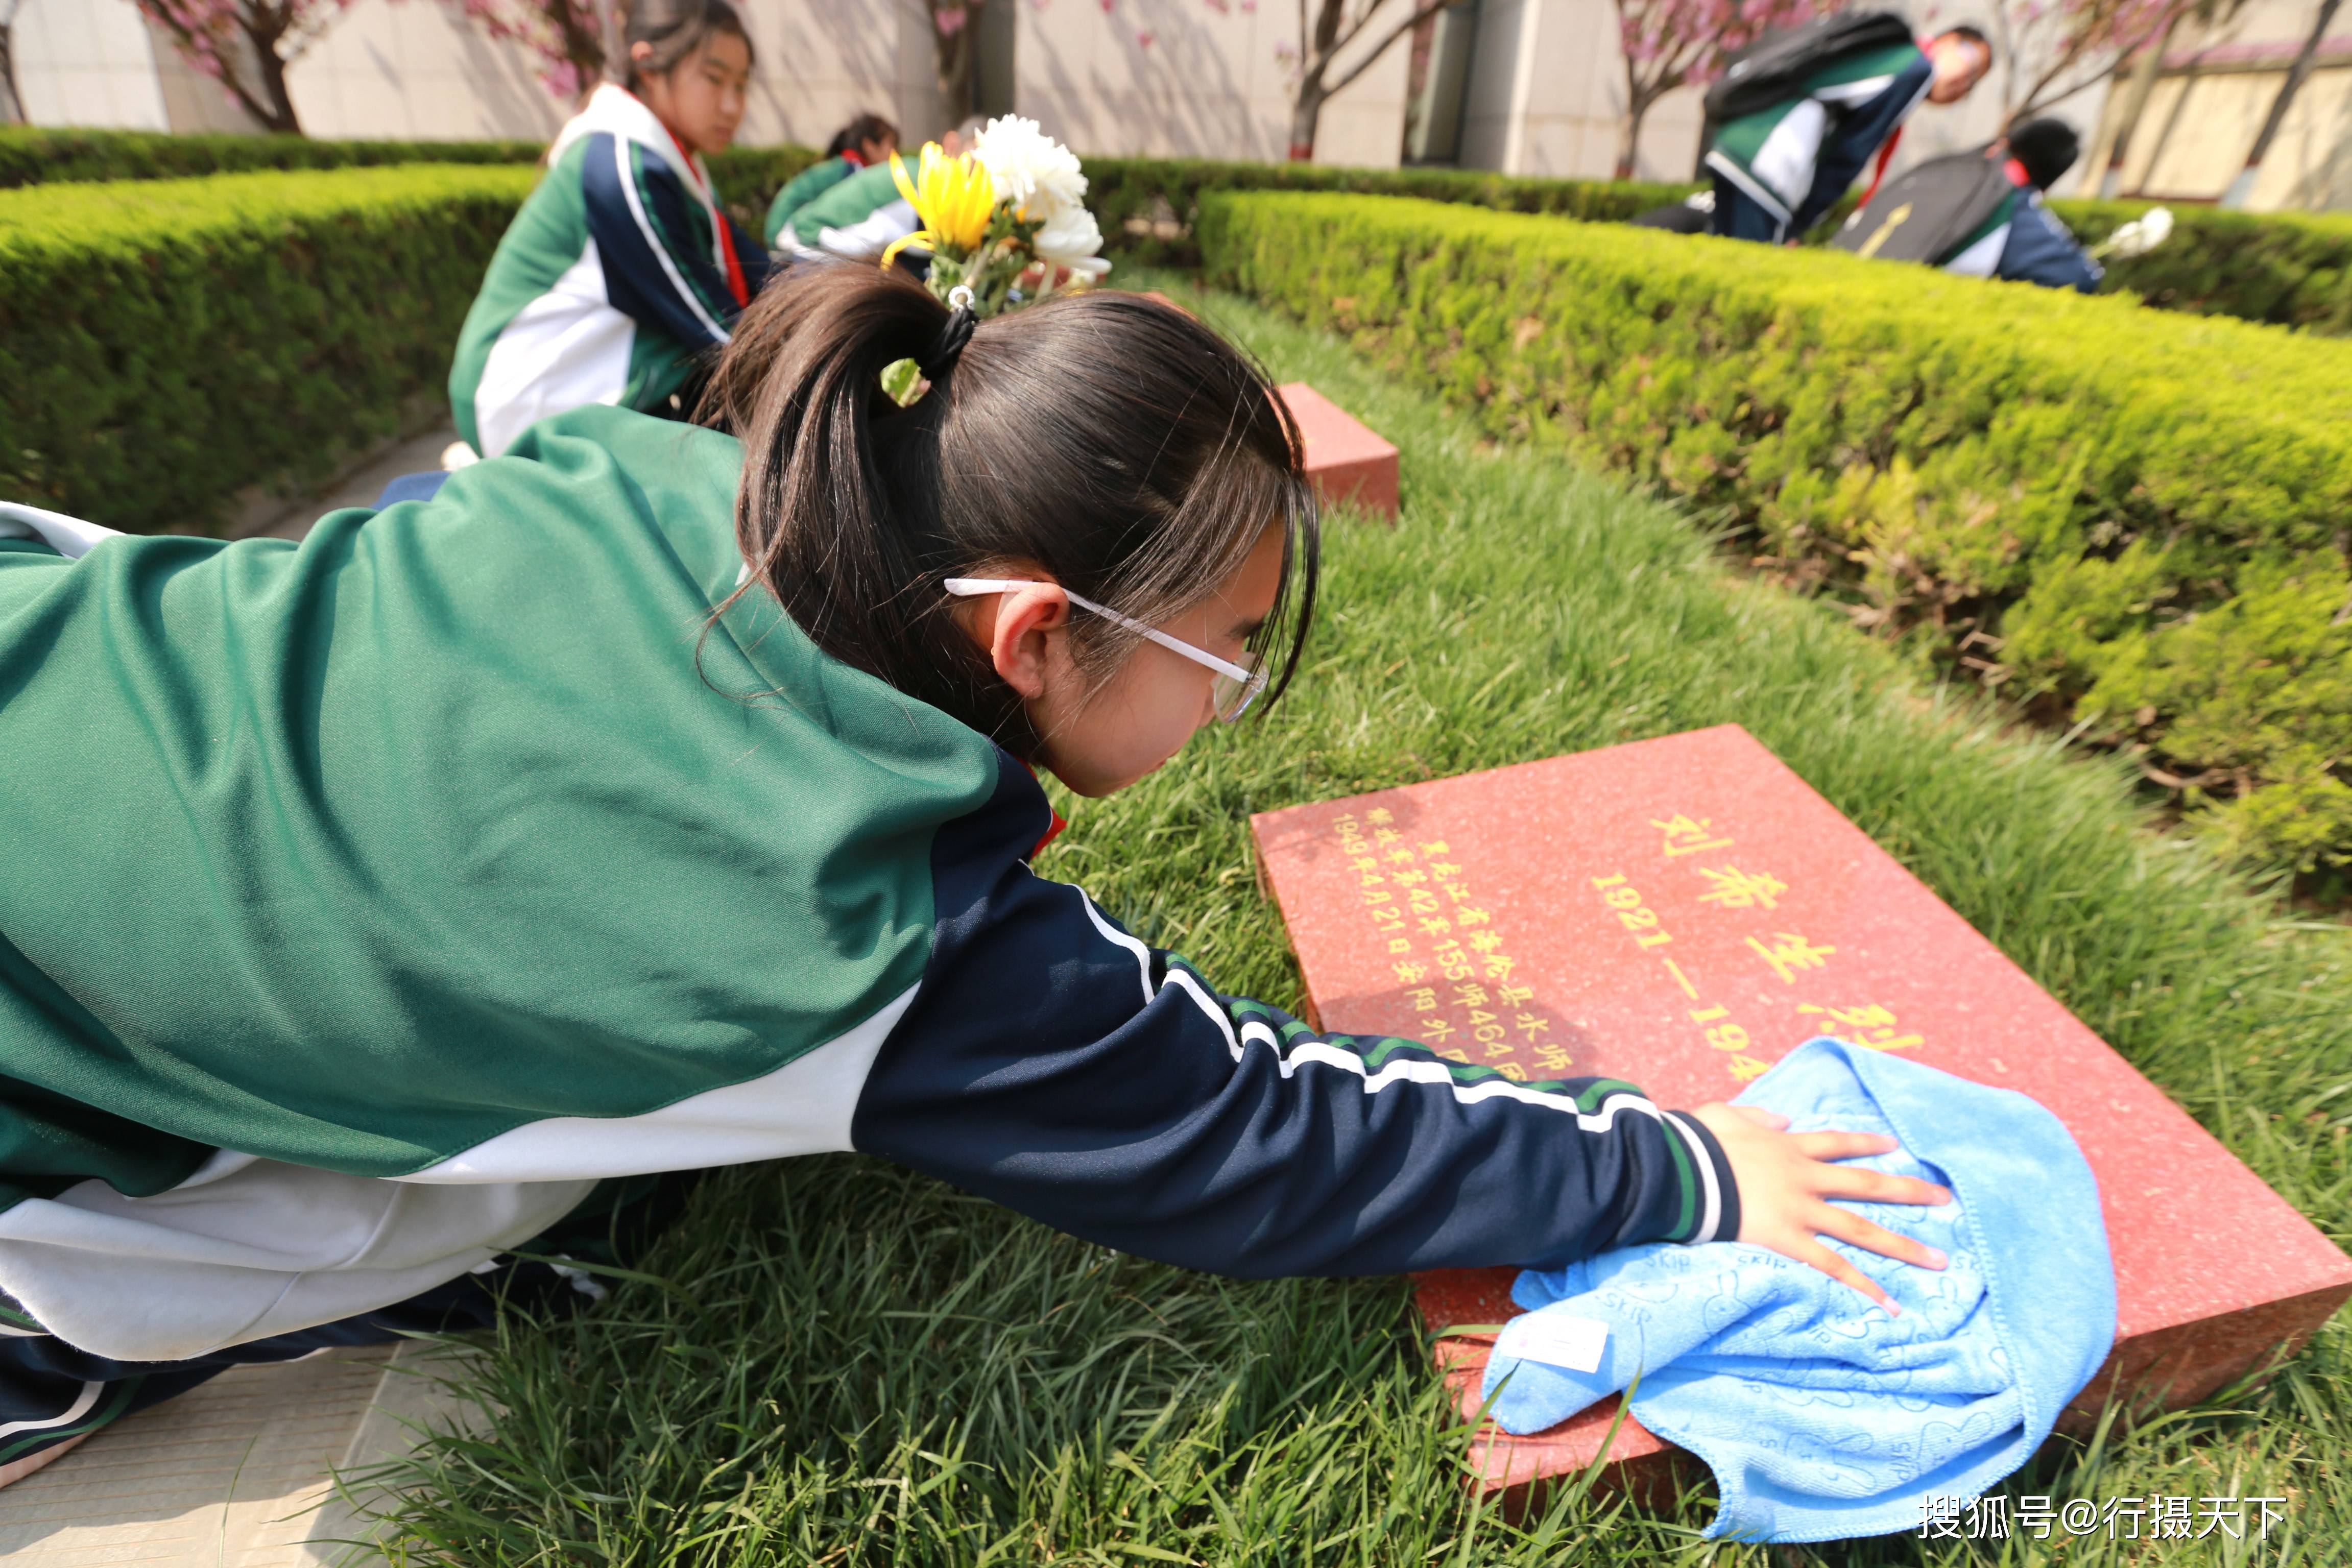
point(1444, 946)
point(1723, 886)
point(1637, 918)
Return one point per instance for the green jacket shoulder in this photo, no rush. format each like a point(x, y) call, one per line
point(802, 189)
point(849, 203)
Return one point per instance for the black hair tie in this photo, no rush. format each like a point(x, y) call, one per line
point(953, 335)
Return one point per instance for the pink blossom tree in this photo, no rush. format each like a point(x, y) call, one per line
point(246, 44)
point(1668, 44)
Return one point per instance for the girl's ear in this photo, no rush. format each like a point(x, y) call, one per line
point(1018, 629)
point(641, 51)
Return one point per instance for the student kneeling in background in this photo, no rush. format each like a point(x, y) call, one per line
point(2023, 240)
point(866, 142)
point(1980, 213)
point(620, 271)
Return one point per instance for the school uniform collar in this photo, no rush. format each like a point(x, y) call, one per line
point(615, 110)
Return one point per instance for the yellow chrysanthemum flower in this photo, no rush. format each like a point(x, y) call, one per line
point(954, 197)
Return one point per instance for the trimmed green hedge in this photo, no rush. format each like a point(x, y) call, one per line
point(165, 343)
point(30, 156)
point(2135, 520)
point(1148, 206)
point(2292, 269)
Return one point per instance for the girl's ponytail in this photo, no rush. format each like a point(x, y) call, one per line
point(1115, 442)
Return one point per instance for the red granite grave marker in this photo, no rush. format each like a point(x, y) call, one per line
point(1345, 458)
point(1347, 461)
point(1683, 911)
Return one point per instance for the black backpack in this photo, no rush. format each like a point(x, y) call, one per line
point(1928, 211)
point(1773, 68)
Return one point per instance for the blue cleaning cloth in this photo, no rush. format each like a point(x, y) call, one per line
point(1822, 1416)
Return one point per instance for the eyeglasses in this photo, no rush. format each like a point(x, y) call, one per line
point(1238, 683)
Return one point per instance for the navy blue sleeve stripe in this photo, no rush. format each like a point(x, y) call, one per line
point(644, 278)
point(1054, 1062)
point(680, 224)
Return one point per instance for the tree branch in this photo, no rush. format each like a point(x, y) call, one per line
point(1426, 8)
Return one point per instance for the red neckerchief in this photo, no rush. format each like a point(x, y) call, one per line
point(736, 283)
point(853, 160)
point(1886, 156)
point(1053, 832)
point(1887, 153)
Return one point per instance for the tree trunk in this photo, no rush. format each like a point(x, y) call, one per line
point(12, 106)
point(271, 105)
point(1314, 53)
point(12, 102)
point(954, 58)
point(2243, 185)
point(2107, 164)
point(1304, 115)
point(1629, 137)
point(602, 57)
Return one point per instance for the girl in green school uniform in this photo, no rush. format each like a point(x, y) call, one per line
point(866, 142)
point(622, 273)
point(654, 798)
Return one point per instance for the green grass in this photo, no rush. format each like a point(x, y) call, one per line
point(831, 1361)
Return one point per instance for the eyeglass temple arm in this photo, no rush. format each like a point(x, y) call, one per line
point(975, 587)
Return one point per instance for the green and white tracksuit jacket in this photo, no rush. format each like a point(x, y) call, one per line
point(857, 217)
point(804, 188)
point(619, 272)
point(2022, 241)
point(1796, 159)
point(369, 901)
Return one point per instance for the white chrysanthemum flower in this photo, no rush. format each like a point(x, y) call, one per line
point(1030, 168)
point(1070, 238)
point(2140, 237)
point(2154, 227)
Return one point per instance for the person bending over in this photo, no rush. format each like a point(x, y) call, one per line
point(866, 142)
point(1778, 169)
point(659, 797)
point(2023, 240)
point(621, 271)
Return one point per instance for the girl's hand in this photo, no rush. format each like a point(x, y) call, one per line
point(1785, 1182)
